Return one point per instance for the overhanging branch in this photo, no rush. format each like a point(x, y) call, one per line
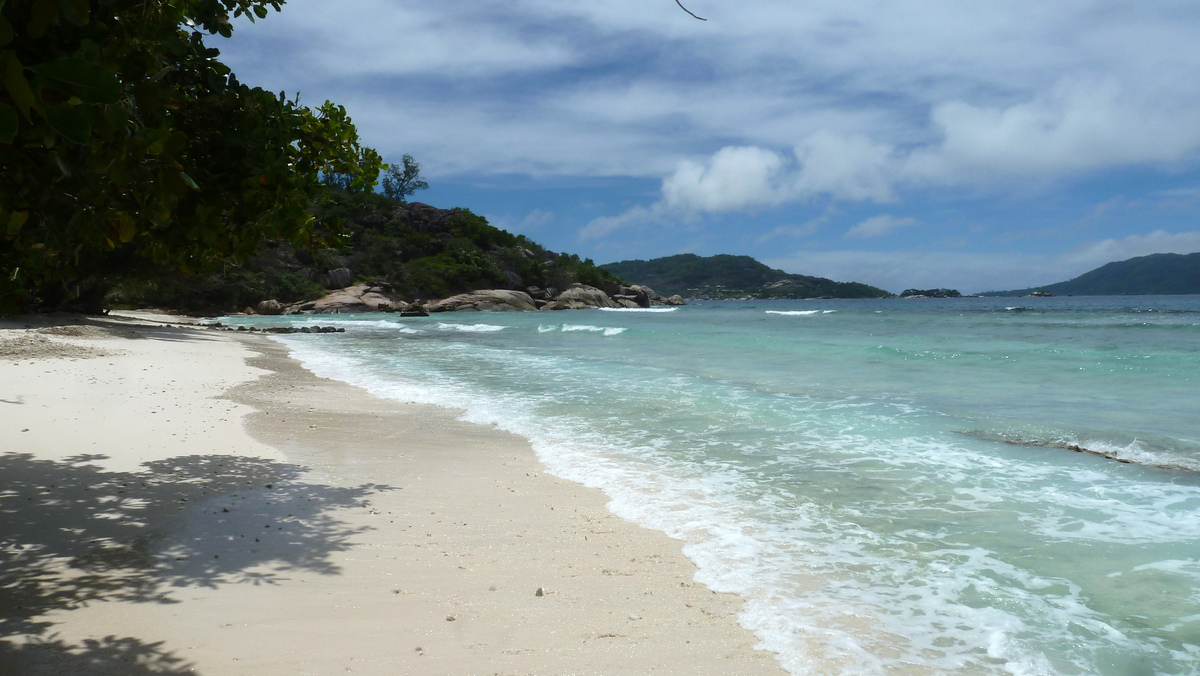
point(677, 2)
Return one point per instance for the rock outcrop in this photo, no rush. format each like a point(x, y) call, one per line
point(490, 300)
point(269, 307)
point(379, 298)
point(641, 296)
point(580, 296)
point(356, 298)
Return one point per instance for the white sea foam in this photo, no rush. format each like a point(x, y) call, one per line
point(638, 309)
point(750, 482)
point(606, 330)
point(793, 313)
point(470, 328)
point(361, 324)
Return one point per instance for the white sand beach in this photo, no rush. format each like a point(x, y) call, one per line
point(178, 500)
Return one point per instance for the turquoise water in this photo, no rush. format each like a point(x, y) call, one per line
point(886, 483)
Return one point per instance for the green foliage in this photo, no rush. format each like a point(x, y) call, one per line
point(218, 292)
point(420, 251)
point(931, 293)
point(1156, 274)
point(127, 148)
point(402, 180)
point(726, 276)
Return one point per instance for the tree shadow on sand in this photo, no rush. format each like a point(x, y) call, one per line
point(96, 657)
point(74, 533)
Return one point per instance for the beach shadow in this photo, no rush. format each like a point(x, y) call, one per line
point(74, 533)
point(108, 656)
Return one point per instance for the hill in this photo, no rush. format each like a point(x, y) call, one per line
point(725, 276)
point(1156, 274)
point(416, 250)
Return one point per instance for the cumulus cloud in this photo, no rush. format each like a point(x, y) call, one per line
point(849, 167)
point(866, 98)
point(1076, 126)
point(878, 226)
point(733, 178)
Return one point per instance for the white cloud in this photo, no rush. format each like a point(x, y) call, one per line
point(878, 226)
point(848, 167)
point(1076, 126)
point(733, 178)
point(870, 96)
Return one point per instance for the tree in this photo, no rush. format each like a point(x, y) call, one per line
point(126, 146)
point(400, 181)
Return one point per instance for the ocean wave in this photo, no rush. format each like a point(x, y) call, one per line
point(638, 309)
point(606, 330)
point(1133, 451)
point(794, 313)
point(363, 324)
point(471, 328)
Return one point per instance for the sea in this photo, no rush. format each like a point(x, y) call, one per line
point(920, 486)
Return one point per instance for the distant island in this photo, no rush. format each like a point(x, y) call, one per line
point(1165, 274)
point(732, 277)
point(931, 293)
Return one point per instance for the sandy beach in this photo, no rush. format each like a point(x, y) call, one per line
point(177, 500)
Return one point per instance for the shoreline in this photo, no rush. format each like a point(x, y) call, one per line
point(387, 537)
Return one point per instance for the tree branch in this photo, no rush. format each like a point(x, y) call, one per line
point(677, 2)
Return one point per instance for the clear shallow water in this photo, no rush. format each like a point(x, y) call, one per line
point(879, 479)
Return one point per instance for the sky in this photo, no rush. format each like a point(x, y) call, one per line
point(968, 144)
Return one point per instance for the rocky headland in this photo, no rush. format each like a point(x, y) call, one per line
point(381, 297)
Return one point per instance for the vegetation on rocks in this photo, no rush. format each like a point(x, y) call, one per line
point(419, 251)
point(930, 293)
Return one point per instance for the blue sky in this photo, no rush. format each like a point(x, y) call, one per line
point(901, 143)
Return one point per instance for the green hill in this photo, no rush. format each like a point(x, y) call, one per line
point(726, 276)
point(417, 250)
point(1156, 274)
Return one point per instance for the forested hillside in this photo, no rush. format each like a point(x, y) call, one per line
point(1157, 274)
point(725, 276)
point(419, 250)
